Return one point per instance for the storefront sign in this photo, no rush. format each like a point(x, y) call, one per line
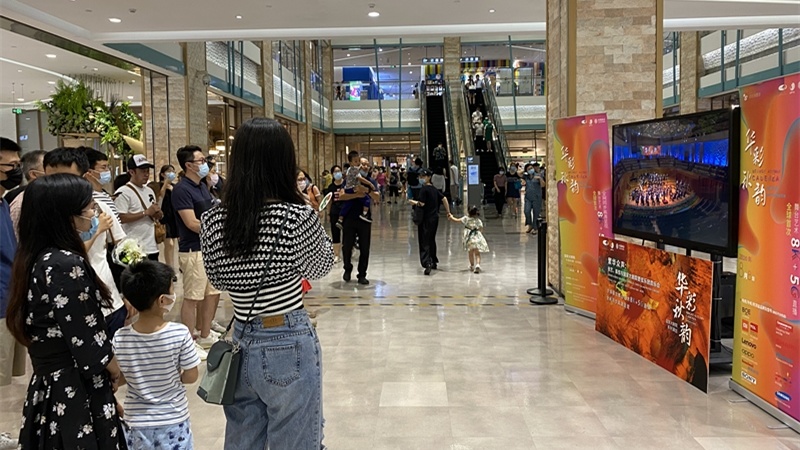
point(767, 345)
point(657, 304)
point(583, 171)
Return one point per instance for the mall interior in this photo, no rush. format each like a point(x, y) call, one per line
point(459, 359)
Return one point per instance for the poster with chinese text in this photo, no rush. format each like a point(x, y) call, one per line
point(657, 304)
point(766, 345)
point(583, 171)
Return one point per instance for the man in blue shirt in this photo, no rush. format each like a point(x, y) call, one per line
point(190, 199)
point(12, 354)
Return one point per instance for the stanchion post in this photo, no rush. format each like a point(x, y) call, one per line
point(542, 295)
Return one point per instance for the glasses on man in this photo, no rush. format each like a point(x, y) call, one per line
point(200, 161)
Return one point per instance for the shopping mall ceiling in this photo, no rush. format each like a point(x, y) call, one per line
point(180, 20)
point(29, 70)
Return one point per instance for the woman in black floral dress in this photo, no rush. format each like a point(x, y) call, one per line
point(54, 309)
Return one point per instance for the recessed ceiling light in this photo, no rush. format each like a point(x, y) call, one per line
point(130, 97)
point(114, 20)
point(95, 69)
point(380, 49)
point(133, 81)
point(491, 11)
point(51, 82)
point(411, 71)
point(19, 70)
point(374, 14)
point(50, 55)
point(409, 64)
point(348, 54)
point(239, 17)
point(20, 99)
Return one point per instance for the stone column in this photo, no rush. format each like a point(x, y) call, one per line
point(328, 81)
point(305, 146)
point(602, 56)
point(196, 94)
point(163, 116)
point(689, 73)
point(267, 81)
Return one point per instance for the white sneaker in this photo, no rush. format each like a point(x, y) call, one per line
point(206, 342)
point(216, 326)
point(471, 268)
point(201, 352)
point(7, 442)
point(196, 334)
point(336, 260)
point(478, 268)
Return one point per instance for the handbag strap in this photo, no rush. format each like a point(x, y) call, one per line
point(263, 280)
point(141, 200)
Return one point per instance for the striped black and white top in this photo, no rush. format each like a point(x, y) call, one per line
point(102, 196)
point(303, 251)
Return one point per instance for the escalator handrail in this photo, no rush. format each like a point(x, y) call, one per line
point(452, 141)
point(503, 158)
point(423, 123)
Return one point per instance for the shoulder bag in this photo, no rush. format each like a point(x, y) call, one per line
point(159, 229)
point(224, 357)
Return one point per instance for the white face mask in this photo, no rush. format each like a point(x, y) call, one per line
point(168, 306)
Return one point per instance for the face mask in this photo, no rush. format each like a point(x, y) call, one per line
point(86, 235)
point(171, 176)
point(301, 185)
point(502, 172)
point(214, 178)
point(203, 171)
point(105, 177)
point(13, 178)
point(512, 171)
point(531, 172)
point(337, 176)
point(363, 173)
point(169, 306)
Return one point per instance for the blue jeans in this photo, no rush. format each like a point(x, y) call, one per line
point(533, 209)
point(278, 398)
point(167, 437)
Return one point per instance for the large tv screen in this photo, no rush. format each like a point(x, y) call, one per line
point(674, 180)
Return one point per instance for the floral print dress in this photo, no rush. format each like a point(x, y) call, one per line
point(473, 238)
point(70, 404)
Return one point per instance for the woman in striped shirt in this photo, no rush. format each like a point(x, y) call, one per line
point(264, 230)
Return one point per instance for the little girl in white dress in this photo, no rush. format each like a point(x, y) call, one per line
point(474, 242)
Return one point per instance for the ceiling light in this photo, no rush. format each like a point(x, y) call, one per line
point(20, 99)
point(19, 70)
point(411, 72)
point(114, 20)
point(95, 69)
point(51, 82)
point(50, 55)
point(239, 17)
point(348, 54)
point(491, 11)
point(409, 64)
point(374, 14)
point(133, 81)
point(380, 49)
point(130, 97)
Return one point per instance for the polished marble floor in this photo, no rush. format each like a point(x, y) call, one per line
point(462, 361)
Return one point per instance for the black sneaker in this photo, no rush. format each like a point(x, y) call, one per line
point(427, 271)
point(363, 280)
point(346, 277)
point(365, 218)
point(435, 267)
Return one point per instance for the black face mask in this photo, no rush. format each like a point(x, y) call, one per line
point(13, 178)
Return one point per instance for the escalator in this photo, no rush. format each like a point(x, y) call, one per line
point(489, 164)
point(435, 129)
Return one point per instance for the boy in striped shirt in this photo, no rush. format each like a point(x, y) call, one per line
point(157, 358)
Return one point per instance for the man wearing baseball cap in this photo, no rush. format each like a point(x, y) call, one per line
point(137, 206)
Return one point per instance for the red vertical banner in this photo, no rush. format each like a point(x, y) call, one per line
point(583, 171)
point(767, 337)
point(657, 304)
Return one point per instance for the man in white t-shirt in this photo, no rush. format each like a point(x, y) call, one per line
point(137, 206)
point(99, 174)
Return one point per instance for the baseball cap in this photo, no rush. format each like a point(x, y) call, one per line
point(139, 162)
point(426, 172)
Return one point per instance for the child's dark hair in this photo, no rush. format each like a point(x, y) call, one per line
point(352, 156)
point(143, 283)
point(473, 211)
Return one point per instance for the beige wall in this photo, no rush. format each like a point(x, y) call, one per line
point(603, 56)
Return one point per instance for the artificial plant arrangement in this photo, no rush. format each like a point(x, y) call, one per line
point(76, 108)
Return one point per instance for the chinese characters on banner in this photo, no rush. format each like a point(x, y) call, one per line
point(583, 171)
point(657, 304)
point(766, 345)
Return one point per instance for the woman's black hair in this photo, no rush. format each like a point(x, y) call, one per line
point(262, 169)
point(336, 166)
point(164, 169)
point(46, 222)
point(473, 211)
